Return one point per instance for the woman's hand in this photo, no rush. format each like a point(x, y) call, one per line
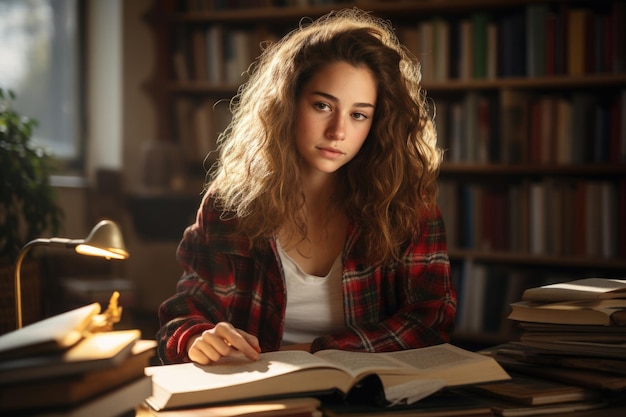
point(221, 341)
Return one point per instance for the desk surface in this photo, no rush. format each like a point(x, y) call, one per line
point(611, 411)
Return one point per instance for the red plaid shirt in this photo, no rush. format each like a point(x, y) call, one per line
point(395, 306)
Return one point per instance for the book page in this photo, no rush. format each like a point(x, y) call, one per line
point(360, 363)
point(234, 370)
point(299, 359)
point(423, 359)
point(433, 357)
point(288, 407)
point(273, 374)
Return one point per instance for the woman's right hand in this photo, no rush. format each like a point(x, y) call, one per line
point(221, 341)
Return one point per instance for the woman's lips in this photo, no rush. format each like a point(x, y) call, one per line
point(330, 153)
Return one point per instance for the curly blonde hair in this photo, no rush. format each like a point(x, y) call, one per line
point(389, 185)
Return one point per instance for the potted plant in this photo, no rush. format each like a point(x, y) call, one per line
point(28, 202)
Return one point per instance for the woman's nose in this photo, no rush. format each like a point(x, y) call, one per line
point(336, 129)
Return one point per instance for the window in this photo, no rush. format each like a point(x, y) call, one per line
point(40, 63)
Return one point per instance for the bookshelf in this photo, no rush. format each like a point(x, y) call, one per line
point(530, 102)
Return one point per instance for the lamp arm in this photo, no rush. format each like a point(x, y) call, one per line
point(18, 282)
point(55, 241)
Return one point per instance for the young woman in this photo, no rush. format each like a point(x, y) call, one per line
point(319, 227)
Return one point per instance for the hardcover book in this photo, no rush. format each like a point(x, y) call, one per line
point(608, 312)
point(580, 289)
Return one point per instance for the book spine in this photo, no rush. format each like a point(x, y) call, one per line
point(536, 35)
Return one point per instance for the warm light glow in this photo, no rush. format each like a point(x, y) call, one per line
point(105, 344)
point(585, 288)
point(110, 253)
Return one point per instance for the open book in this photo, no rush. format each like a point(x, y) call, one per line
point(55, 333)
point(299, 373)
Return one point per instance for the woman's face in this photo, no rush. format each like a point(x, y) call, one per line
point(334, 116)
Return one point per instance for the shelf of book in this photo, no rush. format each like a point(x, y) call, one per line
point(529, 98)
point(463, 40)
point(253, 15)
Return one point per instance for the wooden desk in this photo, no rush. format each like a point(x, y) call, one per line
point(610, 411)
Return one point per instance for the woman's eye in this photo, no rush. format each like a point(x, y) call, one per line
point(359, 116)
point(321, 106)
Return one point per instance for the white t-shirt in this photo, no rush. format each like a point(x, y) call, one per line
point(314, 304)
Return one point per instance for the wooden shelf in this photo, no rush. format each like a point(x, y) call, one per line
point(271, 14)
point(540, 83)
point(598, 170)
point(525, 259)
point(397, 9)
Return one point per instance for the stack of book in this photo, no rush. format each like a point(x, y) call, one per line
point(589, 301)
point(573, 333)
point(56, 367)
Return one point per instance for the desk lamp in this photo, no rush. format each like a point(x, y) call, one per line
point(104, 240)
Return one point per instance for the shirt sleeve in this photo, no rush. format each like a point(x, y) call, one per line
point(183, 316)
point(223, 280)
point(193, 308)
point(416, 304)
